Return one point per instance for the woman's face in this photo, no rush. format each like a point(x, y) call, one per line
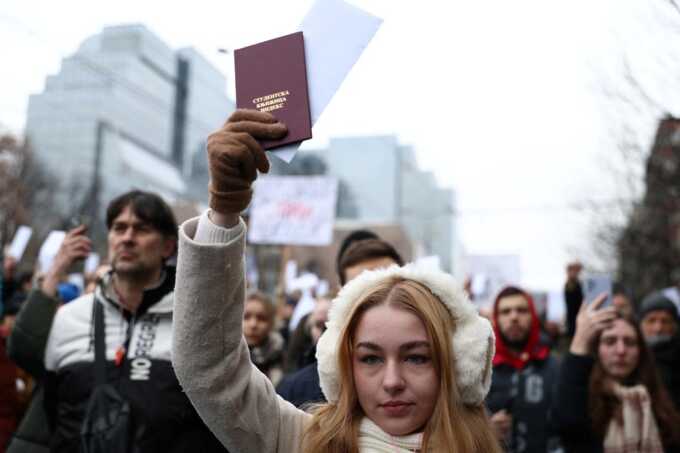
point(619, 350)
point(396, 382)
point(256, 322)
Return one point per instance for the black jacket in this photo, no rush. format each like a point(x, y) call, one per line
point(528, 395)
point(302, 387)
point(571, 413)
point(26, 347)
point(667, 360)
point(573, 298)
point(164, 419)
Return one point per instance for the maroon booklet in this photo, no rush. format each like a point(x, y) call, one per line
point(272, 77)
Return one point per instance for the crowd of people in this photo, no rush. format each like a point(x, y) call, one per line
point(167, 349)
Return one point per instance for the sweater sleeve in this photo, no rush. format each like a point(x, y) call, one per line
point(28, 340)
point(211, 358)
point(570, 414)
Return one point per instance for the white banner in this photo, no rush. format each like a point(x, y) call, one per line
point(296, 210)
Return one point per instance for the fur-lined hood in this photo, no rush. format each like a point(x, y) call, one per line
point(473, 339)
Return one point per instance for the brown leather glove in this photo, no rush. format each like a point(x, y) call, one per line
point(234, 156)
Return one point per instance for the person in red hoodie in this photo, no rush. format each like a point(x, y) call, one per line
point(524, 377)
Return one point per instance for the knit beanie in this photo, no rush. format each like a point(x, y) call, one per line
point(658, 301)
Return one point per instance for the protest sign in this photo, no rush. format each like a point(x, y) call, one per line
point(19, 242)
point(296, 210)
point(490, 273)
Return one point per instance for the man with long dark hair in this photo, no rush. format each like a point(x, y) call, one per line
point(136, 299)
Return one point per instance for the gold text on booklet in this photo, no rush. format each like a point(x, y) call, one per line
point(272, 101)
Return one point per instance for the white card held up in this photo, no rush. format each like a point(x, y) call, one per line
point(91, 263)
point(336, 34)
point(49, 249)
point(20, 241)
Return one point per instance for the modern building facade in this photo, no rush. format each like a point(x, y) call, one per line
point(127, 111)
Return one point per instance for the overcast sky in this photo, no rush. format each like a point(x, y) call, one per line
point(515, 105)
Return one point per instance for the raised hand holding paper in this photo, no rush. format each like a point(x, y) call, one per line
point(49, 249)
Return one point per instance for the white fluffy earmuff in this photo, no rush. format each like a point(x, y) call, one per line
point(473, 340)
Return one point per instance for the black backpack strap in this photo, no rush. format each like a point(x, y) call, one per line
point(99, 344)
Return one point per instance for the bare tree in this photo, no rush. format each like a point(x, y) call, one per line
point(27, 190)
point(629, 234)
point(649, 245)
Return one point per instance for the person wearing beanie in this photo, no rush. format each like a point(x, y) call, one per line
point(524, 376)
point(659, 323)
point(404, 363)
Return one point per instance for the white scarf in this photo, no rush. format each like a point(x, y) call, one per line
point(372, 439)
point(638, 433)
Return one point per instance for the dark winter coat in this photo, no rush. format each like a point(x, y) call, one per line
point(527, 395)
point(26, 348)
point(268, 357)
point(138, 351)
point(302, 387)
point(667, 360)
point(573, 298)
point(571, 414)
point(523, 384)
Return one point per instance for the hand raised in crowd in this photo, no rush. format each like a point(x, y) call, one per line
point(234, 157)
point(590, 321)
point(501, 422)
point(75, 246)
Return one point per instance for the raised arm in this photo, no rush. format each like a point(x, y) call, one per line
point(28, 340)
point(210, 356)
point(571, 413)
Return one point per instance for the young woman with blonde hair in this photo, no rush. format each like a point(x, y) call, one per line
point(405, 361)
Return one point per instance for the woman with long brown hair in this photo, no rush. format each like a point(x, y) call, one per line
point(610, 398)
point(405, 361)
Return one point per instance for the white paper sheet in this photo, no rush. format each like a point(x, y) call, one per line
point(20, 241)
point(91, 263)
point(336, 34)
point(291, 272)
point(49, 249)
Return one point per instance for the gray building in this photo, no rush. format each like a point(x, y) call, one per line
point(380, 182)
point(126, 110)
